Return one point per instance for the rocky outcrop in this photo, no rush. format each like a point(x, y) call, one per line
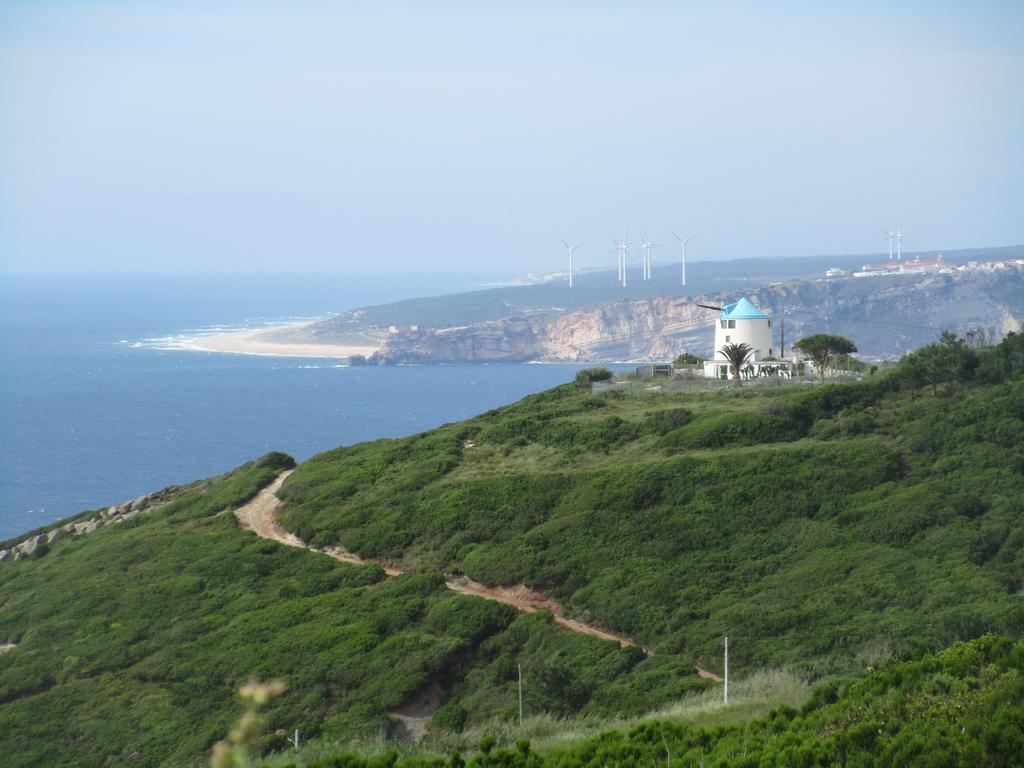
point(511, 340)
point(886, 317)
point(36, 544)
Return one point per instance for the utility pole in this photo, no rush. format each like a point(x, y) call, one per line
point(520, 695)
point(295, 741)
point(782, 325)
point(726, 677)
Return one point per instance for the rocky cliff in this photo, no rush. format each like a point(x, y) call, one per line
point(885, 316)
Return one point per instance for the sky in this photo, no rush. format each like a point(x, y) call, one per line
point(342, 136)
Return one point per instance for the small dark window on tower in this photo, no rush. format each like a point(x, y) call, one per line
point(727, 339)
point(732, 323)
point(769, 323)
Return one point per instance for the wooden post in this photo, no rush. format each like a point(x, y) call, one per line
point(520, 694)
point(726, 676)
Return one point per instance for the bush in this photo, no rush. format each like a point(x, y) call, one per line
point(588, 376)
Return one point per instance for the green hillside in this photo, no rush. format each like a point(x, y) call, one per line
point(820, 527)
point(592, 288)
point(813, 525)
point(961, 707)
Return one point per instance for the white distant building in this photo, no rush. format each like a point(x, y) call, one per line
point(742, 323)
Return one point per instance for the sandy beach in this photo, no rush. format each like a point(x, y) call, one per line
point(267, 341)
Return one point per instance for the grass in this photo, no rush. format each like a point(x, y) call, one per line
point(749, 698)
point(819, 528)
point(963, 706)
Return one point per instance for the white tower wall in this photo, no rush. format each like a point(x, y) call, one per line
point(756, 332)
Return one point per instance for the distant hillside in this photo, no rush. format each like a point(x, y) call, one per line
point(885, 316)
point(593, 288)
point(822, 528)
point(656, 321)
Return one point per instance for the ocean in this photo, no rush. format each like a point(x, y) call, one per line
point(97, 407)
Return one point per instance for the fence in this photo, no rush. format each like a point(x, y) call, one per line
point(706, 384)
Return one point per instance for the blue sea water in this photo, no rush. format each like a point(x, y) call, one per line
point(92, 413)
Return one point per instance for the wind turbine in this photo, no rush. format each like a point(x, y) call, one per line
point(647, 246)
point(682, 246)
point(623, 251)
point(571, 249)
point(892, 236)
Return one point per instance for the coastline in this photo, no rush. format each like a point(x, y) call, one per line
point(261, 341)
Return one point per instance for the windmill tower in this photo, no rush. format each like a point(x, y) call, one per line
point(622, 249)
point(647, 245)
point(571, 249)
point(682, 246)
point(739, 323)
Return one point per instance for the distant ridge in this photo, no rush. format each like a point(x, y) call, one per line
point(599, 321)
point(599, 287)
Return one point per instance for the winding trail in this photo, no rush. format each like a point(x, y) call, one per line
point(701, 672)
point(260, 516)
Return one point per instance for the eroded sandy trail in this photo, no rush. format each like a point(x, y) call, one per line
point(701, 672)
point(260, 516)
point(528, 601)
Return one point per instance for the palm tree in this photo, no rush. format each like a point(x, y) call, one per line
point(737, 355)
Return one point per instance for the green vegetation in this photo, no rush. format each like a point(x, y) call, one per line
point(811, 525)
point(131, 640)
point(961, 707)
point(822, 528)
point(825, 349)
point(737, 355)
point(687, 359)
point(588, 376)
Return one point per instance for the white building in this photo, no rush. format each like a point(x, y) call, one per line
point(743, 323)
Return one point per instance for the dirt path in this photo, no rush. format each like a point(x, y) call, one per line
point(413, 716)
point(260, 514)
point(529, 600)
point(260, 517)
point(701, 672)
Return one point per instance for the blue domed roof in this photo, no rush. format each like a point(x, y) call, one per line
point(743, 309)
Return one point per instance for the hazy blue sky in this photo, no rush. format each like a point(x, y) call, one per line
point(180, 135)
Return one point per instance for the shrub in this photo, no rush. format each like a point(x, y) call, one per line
point(588, 376)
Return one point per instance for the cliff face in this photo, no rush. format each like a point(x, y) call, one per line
point(511, 340)
point(885, 317)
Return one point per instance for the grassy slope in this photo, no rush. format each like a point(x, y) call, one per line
point(961, 707)
point(133, 639)
point(807, 525)
point(813, 525)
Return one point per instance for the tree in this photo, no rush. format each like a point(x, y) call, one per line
point(737, 355)
point(822, 348)
point(687, 359)
point(951, 360)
